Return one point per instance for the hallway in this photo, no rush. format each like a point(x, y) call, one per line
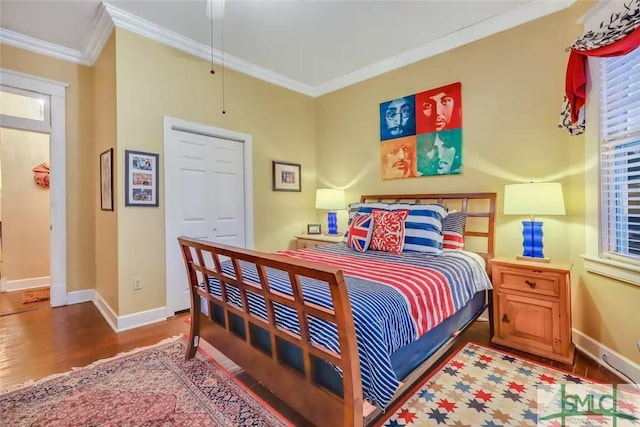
point(12, 302)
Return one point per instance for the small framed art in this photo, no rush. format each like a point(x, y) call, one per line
point(314, 229)
point(106, 180)
point(286, 177)
point(141, 181)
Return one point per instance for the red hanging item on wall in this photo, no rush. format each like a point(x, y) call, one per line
point(41, 175)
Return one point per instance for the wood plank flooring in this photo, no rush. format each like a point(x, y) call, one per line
point(11, 302)
point(39, 343)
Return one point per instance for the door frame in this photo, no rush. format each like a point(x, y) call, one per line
point(172, 218)
point(57, 157)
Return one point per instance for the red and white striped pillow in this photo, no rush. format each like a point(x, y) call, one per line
point(453, 230)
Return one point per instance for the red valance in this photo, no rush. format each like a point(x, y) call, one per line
point(576, 79)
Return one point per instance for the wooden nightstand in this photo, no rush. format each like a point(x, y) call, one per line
point(313, 240)
point(532, 307)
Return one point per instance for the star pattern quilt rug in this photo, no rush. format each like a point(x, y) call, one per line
point(480, 386)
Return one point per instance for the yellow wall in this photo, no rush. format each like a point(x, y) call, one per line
point(26, 206)
point(511, 92)
point(104, 119)
point(512, 86)
point(155, 80)
point(81, 164)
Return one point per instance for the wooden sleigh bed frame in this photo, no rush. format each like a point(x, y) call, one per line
point(231, 329)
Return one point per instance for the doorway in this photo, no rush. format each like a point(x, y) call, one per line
point(208, 195)
point(48, 117)
point(25, 217)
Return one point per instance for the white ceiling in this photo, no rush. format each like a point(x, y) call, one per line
point(312, 46)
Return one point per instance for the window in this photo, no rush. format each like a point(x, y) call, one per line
point(620, 158)
point(23, 109)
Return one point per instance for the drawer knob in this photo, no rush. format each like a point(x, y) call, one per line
point(531, 284)
point(505, 318)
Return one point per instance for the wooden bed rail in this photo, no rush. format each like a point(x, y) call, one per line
point(204, 261)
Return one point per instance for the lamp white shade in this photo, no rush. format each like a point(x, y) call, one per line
point(534, 198)
point(330, 198)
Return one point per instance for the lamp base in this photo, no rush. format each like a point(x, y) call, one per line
point(332, 221)
point(532, 239)
point(534, 259)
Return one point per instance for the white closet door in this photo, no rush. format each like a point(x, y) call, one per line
point(205, 179)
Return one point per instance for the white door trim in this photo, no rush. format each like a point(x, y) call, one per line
point(57, 91)
point(173, 124)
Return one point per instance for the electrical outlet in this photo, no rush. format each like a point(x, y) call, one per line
point(137, 283)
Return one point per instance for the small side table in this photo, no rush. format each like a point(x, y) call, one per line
point(532, 307)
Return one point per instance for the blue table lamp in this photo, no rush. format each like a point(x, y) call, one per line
point(534, 198)
point(330, 199)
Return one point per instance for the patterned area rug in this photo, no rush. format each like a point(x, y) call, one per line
point(35, 295)
point(154, 386)
point(479, 386)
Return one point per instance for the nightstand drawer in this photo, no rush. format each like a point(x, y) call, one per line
point(303, 243)
point(315, 240)
point(529, 281)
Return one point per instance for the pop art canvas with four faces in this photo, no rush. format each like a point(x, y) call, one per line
point(421, 134)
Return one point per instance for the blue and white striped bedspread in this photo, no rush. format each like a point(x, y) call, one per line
point(383, 316)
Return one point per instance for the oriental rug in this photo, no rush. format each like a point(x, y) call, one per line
point(152, 386)
point(480, 386)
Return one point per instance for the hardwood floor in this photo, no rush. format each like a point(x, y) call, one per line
point(39, 343)
point(11, 302)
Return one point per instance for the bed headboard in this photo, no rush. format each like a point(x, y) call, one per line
point(480, 209)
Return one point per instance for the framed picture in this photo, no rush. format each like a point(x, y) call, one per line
point(286, 177)
point(106, 180)
point(314, 229)
point(141, 181)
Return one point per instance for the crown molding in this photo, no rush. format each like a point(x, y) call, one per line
point(135, 24)
point(33, 44)
point(110, 16)
point(100, 32)
point(528, 12)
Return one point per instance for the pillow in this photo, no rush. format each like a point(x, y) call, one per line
point(453, 230)
point(388, 230)
point(362, 208)
point(423, 227)
point(360, 232)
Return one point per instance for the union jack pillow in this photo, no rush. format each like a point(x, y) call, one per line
point(453, 230)
point(388, 230)
point(360, 231)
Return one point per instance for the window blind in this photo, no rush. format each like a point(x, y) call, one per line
point(620, 156)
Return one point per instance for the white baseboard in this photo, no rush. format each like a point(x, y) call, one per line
point(106, 311)
point(76, 297)
point(484, 317)
point(141, 318)
point(129, 321)
point(596, 350)
point(32, 282)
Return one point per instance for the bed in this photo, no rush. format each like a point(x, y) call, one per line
point(294, 321)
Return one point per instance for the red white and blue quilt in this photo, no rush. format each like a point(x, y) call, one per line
point(395, 299)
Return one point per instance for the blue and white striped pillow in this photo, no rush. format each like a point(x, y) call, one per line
point(423, 227)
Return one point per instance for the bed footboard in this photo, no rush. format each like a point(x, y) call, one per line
point(238, 332)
